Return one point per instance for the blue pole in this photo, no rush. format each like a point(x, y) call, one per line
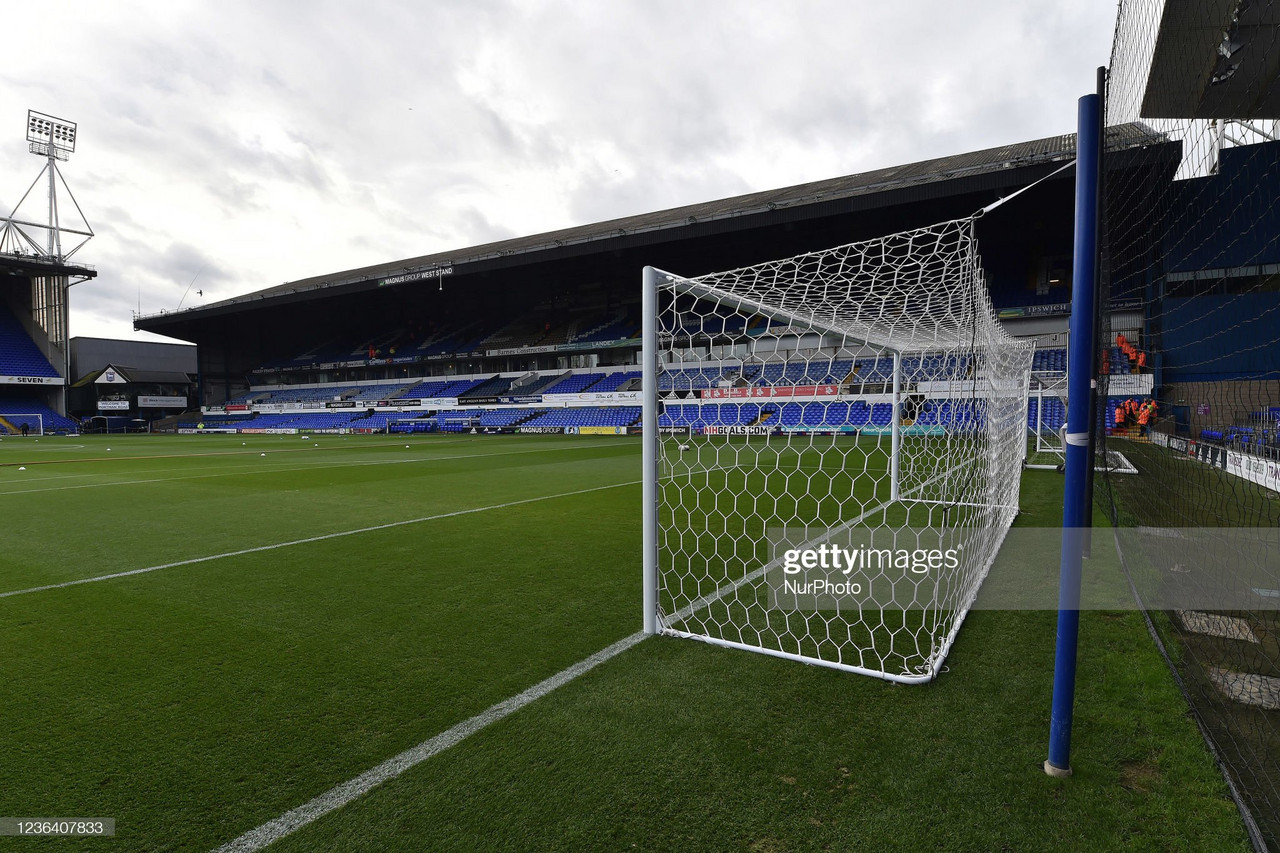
point(1077, 503)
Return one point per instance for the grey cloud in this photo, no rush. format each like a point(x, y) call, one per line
point(397, 126)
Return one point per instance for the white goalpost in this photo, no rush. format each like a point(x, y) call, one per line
point(833, 444)
point(1048, 415)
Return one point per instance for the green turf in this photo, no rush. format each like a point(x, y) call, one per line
point(193, 703)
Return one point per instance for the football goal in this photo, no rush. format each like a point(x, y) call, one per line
point(833, 445)
point(13, 424)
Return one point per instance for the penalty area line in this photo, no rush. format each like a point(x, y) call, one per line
point(339, 796)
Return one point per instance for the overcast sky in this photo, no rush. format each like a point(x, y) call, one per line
point(244, 144)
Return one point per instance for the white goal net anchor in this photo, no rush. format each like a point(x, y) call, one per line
point(833, 444)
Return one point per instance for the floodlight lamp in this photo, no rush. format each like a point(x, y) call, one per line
point(51, 130)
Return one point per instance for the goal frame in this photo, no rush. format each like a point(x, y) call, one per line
point(17, 419)
point(871, 337)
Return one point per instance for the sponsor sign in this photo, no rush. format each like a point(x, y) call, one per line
point(768, 391)
point(146, 402)
point(601, 430)
point(521, 350)
point(32, 380)
point(825, 430)
point(736, 429)
point(1177, 444)
point(521, 398)
point(1212, 455)
point(914, 429)
point(416, 275)
point(237, 407)
point(1049, 310)
point(599, 397)
point(340, 404)
point(1056, 308)
point(1262, 472)
point(684, 430)
point(546, 430)
point(1129, 384)
point(595, 345)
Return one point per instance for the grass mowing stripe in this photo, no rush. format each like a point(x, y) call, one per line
point(240, 473)
point(215, 453)
point(309, 539)
point(335, 798)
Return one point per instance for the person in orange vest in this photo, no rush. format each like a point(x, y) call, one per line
point(1120, 415)
point(1144, 416)
point(1142, 360)
point(1121, 340)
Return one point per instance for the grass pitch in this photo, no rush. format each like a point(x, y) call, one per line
point(304, 615)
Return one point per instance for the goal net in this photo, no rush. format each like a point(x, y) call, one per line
point(833, 450)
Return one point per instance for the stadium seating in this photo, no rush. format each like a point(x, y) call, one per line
point(603, 416)
point(19, 355)
point(1049, 361)
point(12, 408)
point(1053, 417)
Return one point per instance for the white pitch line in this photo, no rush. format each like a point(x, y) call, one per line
point(339, 796)
point(321, 538)
point(241, 471)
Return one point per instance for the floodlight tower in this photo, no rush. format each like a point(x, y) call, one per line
point(53, 138)
point(43, 259)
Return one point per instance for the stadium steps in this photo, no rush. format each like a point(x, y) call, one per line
point(540, 382)
point(491, 387)
point(1217, 625)
point(1247, 688)
point(170, 423)
point(530, 416)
